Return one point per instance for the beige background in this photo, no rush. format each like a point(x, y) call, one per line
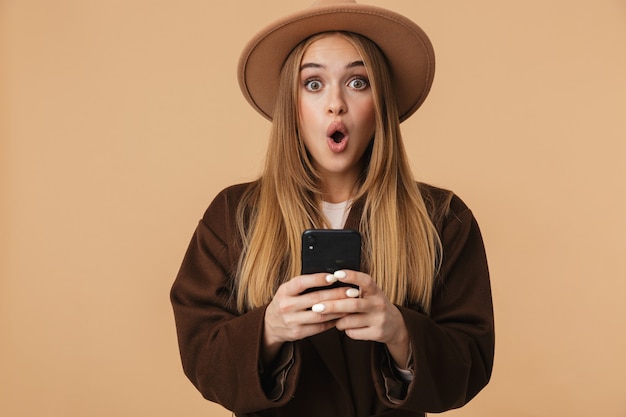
point(121, 119)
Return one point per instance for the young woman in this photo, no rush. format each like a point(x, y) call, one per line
point(416, 335)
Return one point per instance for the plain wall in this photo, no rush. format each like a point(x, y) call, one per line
point(121, 119)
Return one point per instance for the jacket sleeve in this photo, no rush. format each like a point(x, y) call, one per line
point(453, 347)
point(219, 347)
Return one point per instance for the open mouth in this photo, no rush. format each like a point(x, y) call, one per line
point(337, 136)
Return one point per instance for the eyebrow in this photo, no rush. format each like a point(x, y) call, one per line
point(315, 65)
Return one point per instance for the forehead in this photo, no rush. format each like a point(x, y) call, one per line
point(331, 46)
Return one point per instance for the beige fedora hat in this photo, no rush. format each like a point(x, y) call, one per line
point(405, 45)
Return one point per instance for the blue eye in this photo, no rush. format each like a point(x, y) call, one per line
point(359, 83)
point(313, 85)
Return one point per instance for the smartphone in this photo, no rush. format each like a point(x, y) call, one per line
point(329, 250)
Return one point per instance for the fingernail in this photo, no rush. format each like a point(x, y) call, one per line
point(352, 292)
point(330, 278)
point(340, 274)
point(318, 308)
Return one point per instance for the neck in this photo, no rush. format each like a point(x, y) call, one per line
point(338, 189)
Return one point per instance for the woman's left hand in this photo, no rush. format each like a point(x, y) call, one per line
point(370, 315)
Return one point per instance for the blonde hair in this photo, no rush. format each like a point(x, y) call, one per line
point(401, 246)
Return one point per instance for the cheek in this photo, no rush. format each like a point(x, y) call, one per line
point(304, 114)
point(368, 115)
point(304, 124)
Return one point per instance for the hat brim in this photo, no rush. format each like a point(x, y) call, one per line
point(406, 47)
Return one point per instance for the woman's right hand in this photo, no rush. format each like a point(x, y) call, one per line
point(289, 316)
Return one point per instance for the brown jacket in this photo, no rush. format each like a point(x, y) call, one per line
point(330, 374)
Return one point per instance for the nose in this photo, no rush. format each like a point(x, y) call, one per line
point(336, 102)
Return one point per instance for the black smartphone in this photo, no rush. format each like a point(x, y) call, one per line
point(329, 250)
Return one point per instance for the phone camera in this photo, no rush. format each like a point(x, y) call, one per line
point(310, 242)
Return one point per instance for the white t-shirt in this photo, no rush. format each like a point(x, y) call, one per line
point(336, 213)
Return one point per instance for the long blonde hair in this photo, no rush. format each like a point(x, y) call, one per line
point(401, 245)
